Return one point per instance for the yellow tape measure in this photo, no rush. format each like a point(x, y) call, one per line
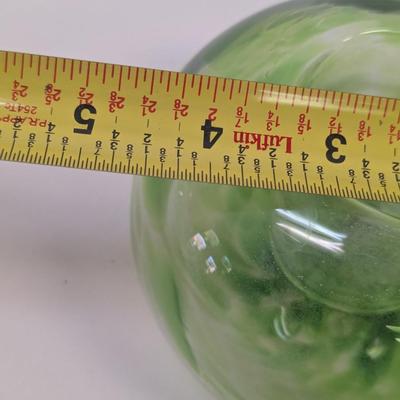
point(115, 118)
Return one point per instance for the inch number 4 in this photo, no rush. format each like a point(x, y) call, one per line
point(208, 129)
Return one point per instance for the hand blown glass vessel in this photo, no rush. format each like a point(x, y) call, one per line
point(274, 295)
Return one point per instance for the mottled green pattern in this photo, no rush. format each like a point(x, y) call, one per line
point(275, 295)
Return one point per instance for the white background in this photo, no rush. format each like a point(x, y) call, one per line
point(74, 323)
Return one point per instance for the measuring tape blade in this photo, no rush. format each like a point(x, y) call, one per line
point(106, 117)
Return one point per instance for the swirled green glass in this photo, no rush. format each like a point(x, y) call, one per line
point(274, 295)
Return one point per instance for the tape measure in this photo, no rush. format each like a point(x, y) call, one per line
point(106, 117)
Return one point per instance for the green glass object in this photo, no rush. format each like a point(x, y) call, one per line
point(272, 295)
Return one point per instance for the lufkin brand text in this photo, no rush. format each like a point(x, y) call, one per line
point(262, 142)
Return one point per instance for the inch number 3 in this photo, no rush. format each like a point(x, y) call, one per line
point(332, 149)
point(87, 122)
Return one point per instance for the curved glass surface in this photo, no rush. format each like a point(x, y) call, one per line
point(272, 295)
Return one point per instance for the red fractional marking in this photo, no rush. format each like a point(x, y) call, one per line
point(55, 71)
point(169, 81)
point(200, 84)
point(71, 77)
point(287, 92)
point(22, 66)
point(6, 62)
point(325, 100)
point(348, 100)
point(262, 93)
point(277, 99)
point(184, 86)
point(333, 97)
point(104, 73)
point(294, 96)
point(231, 92)
point(120, 77)
point(370, 108)
point(136, 77)
point(247, 93)
point(340, 105)
point(215, 90)
point(88, 73)
point(255, 89)
point(386, 108)
point(355, 104)
point(152, 82)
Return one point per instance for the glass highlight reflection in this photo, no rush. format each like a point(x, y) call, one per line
point(303, 229)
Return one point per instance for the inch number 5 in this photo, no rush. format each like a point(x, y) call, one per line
point(87, 122)
point(332, 149)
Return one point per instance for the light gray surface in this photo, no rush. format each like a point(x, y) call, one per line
point(74, 323)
